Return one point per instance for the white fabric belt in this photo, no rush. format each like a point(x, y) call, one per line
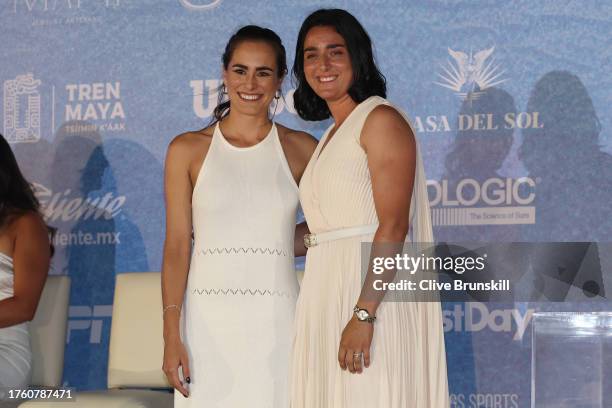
point(311, 240)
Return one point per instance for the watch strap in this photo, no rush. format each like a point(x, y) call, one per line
point(359, 311)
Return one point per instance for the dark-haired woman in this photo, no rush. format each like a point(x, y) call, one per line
point(235, 185)
point(24, 264)
point(365, 182)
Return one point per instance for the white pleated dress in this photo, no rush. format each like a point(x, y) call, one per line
point(242, 288)
point(408, 362)
point(15, 351)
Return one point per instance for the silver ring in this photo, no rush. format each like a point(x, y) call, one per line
point(357, 355)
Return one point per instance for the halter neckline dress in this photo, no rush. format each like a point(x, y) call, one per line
point(242, 287)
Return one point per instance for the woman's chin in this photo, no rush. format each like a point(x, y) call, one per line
point(329, 95)
point(251, 109)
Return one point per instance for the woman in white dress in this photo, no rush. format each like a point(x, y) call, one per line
point(24, 263)
point(365, 182)
point(229, 299)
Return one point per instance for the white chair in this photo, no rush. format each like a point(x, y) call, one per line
point(135, 352)
point(48, 333)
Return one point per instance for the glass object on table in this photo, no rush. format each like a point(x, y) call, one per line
point(571, 362)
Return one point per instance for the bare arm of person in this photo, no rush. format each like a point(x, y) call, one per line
point(298, 242)
point(177, 250)
point(391, 148)
point(391, 151)
point(31, 257)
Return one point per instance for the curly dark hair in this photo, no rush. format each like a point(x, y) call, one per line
point(250, 33)
point(367, 79)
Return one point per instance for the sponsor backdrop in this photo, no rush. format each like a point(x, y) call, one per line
point(510, 101)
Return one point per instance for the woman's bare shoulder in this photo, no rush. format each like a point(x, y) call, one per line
point(386, 125)
point(193, 139)
point(304, 141)
point(30, 223)
point(385, 116)
point(189, 146)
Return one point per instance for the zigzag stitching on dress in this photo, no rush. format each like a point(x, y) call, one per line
point(243, 250)
point(251, 292)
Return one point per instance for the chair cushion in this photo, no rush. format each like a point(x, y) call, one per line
point(136, 343)
point(48, 332)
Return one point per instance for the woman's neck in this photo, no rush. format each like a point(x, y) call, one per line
point(341, 108)
point(245, 127)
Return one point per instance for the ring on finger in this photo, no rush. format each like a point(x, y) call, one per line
point(350, 362)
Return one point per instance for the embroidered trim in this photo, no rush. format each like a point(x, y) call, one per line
point(242, 250)
point(251, 292)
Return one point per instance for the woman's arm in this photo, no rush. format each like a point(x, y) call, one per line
point(31, 256)
point(300, 230)
point(177, 244)
point(391, 151)
point(177, 250)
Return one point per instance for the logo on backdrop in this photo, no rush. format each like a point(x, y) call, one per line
point(97, 103)
point(468, 76)
point(482, 400)
point(63, 12)
point(495, 201)
point(65, 208)
point(206, 93)
point(58, 5)
point(476, 316)
point(22, 109)
point(199, 5)
point(473, 77)
point(478, 122)
point(87, 318)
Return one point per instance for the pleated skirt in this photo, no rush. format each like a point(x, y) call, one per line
point(408, 362)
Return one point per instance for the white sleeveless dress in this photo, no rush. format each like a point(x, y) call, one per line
point(408, 361)
point(242, 287)
point(15, 351)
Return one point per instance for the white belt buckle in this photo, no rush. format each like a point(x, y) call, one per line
point(310, 240)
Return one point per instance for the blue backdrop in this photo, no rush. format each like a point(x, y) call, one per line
point(510, 100)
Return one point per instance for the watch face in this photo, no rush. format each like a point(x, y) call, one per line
point(362, 315)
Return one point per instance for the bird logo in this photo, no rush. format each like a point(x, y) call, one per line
point(468, 75)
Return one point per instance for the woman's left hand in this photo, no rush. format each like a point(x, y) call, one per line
point(356, 339)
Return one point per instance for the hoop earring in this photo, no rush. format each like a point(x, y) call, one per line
point(223, 90)
point(277, 95)
point(275, 106)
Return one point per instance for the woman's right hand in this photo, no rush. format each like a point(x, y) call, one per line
point(175, 356)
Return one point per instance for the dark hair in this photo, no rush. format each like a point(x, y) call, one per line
point(367, 79)
point(16, 195)
point(250, 33)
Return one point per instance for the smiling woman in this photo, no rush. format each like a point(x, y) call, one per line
point(230, 298)
point(339, 55)
point(264, 55)
point(365, 183)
